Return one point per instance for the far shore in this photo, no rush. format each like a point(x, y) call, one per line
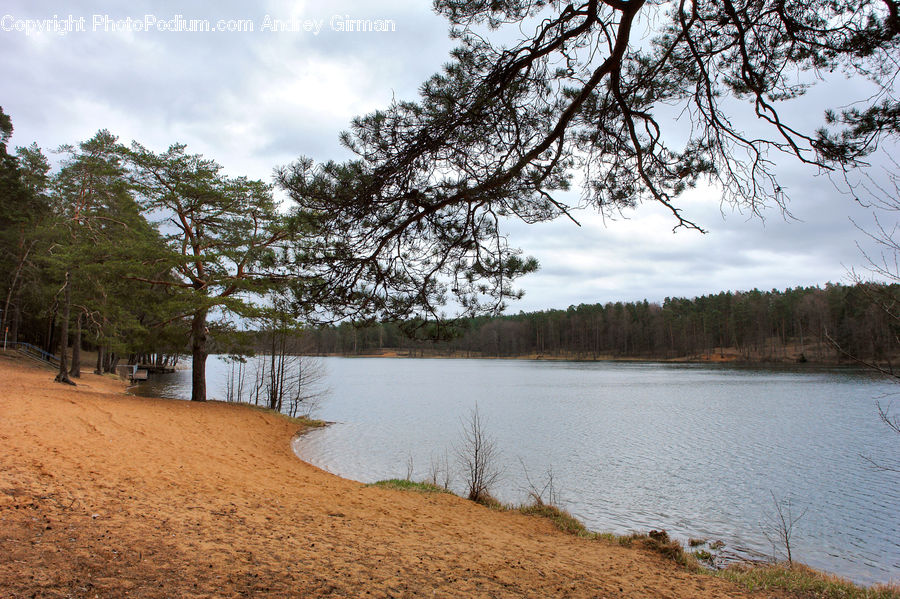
point(724, 357)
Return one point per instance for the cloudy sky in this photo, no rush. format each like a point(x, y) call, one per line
point(254, 100)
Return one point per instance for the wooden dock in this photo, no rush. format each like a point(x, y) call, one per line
point(131, 373)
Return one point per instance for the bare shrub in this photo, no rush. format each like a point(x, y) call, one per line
point(410, 466)
point(541, 493)
point(237, 377)
point(434, 470)
point(290, 384)
point(446, 469)
point(779, 527)
point(478, 456)
point(439, 471)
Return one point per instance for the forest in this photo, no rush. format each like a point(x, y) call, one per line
point(138, 256)
point(831, 324)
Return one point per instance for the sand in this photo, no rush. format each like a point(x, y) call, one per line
point(107, 495)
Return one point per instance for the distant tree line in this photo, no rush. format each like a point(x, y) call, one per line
point(800, 324)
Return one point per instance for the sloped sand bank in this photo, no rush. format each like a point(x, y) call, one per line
point(107, 495)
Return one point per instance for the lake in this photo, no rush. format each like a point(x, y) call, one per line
point(697, 450)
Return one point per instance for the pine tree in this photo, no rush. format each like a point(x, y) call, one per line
point(582, 96)
point(225, 238)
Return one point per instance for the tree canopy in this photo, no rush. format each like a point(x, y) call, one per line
point(416, 219)
point(225, 240)
point(23, 204)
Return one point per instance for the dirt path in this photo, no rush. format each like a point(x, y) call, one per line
point(108, 495)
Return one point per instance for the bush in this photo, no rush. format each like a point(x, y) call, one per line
point(478, 456)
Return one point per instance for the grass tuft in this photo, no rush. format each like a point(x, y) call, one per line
point(802, 581)
point(398, 484)
point(614, 539)
point(659, 542)
point(562, 519)
point(491, 502)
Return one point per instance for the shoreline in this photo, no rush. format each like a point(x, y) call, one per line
point(728, 361)
point(106, 494)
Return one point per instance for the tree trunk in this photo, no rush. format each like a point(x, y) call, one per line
point(13, 287)
point(274, 375)
point(199, 353)
point(50, 340)
point(63, 374)
point(75, 370)
point(17, 318)
point(99, 367)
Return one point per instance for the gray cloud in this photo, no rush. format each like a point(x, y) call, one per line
point(257, 100)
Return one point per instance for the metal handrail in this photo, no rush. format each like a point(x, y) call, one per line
point(36, 352)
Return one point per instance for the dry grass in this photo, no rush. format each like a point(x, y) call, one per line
point(803, 582)
point(562, 519)
point(658, 541)
point(399, 484)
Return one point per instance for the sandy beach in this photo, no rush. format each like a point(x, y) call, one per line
point(107, 495)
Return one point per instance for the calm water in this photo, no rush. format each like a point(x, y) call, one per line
point(696, 450)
